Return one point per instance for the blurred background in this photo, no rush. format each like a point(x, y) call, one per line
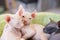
point(10, 6)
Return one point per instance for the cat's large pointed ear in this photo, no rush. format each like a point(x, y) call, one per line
point(20, 10)
point(51, 20)
point(7, 18)
point(33, 14)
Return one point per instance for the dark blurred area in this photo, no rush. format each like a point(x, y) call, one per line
point(28, 1)
point(11, 6)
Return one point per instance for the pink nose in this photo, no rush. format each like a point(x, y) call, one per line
point(25, 21)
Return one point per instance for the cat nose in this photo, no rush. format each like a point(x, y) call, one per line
point(25, 20)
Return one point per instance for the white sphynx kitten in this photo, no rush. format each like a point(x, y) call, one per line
point(31, 30)
point(12, 28)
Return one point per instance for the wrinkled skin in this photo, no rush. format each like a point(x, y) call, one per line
point(50, 28)
point(53, 28)
point(12, 28)
point(39, 34)
point(32, 31)
point(28, 31)
point(56, 35)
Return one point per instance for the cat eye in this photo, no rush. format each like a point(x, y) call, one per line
point(23, 16)
point(29, 18)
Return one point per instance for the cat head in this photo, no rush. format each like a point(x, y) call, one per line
point(14, 21)
point(26, 16)
point(51, 27)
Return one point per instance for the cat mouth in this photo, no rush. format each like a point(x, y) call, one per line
point(25, 23)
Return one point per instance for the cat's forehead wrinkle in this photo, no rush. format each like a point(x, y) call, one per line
point(51, 25)
point(26, 14)
point(17, 17)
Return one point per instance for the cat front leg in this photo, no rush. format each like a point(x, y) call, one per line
point(28, 35)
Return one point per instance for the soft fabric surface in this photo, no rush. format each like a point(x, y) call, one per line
point(41, 18)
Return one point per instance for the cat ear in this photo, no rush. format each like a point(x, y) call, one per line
point(51, 20)
point(58, 24)
point(33, 14)
point(7, 18)
point(20, 10)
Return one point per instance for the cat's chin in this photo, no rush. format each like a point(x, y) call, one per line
point(22, 39)
point(26, 23)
